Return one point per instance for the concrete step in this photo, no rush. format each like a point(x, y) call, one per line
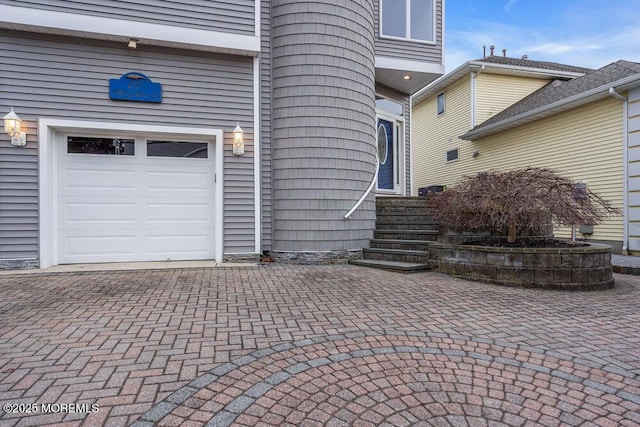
point(381, 224)
point(402, 210)
point(404, 207)
point(400, 255)
point(404, 218)
point(413, 245)
point(425, 235)
point(396, 199)
point(400, 201)
point(401, 267)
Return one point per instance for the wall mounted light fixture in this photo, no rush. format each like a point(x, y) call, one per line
point(133, 43)
point(238, 140)
point(12, 126)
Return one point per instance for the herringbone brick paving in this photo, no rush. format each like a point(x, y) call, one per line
point(315, 345)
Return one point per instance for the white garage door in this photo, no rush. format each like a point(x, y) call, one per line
point(134, 199)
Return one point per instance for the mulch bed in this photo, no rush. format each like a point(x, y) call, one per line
point(525, 243)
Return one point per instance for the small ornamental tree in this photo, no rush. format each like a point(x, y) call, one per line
point(516, 199)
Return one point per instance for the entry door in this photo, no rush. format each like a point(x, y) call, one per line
point(387, 154)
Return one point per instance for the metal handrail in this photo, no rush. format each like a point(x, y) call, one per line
point(366, 193)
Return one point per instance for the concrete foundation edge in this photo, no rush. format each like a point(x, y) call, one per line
point(321, 257)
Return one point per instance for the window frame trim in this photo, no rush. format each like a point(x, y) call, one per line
point(407, 32)
point(444, 104)
point(457, 150)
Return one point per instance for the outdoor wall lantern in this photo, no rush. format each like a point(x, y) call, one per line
point(12, 125)
point(238, 140)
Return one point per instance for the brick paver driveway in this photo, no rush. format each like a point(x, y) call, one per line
point(337, 345)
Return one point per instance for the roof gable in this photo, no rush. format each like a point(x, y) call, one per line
point(501, 65)
point(555, 92)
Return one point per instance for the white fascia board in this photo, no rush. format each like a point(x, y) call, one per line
point(407, 65)
point(64, 124)
point(103, 28)
point(440, 83)
point(586, 97)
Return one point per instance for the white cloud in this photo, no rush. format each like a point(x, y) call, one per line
point(454, 58)
point(511, 4)
point(560, 48)
point(581, 48)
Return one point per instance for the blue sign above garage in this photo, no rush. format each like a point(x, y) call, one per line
point(134, 86)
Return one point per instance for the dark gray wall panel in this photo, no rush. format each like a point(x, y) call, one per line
point(323, 123)
point(18, 197)
point(68, 78)
point(231, 16)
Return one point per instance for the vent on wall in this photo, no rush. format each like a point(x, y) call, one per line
point(452, 155)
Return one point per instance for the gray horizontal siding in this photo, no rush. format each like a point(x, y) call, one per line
point(414, 51)
point(323, 124)
point(405, 101)
point(232, 16)
point(18, 198)
point(64, 78)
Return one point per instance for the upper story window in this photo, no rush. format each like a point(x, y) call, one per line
point(408, 19)
point(440, 103)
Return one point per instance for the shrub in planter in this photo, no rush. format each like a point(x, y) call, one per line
point(520, 199)
point(523, 201)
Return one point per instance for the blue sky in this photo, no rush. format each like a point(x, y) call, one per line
point(588, 33)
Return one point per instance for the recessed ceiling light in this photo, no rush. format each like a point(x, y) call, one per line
point(407, 77)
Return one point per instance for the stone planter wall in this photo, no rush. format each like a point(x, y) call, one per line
point(579, 268)
point(455, 237)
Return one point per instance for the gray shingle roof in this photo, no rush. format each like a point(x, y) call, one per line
point(503, 65)
point(517, 62)
point(558, 90)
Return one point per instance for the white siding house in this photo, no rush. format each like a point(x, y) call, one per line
point(581, 126)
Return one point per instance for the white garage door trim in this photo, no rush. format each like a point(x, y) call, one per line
point(50, 129)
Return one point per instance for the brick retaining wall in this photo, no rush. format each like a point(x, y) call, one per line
point(580, 268)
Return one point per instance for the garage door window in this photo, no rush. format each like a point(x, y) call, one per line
point(196, 150)
point(113, 146)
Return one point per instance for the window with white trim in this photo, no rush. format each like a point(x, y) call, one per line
point(408, 19)
point(452, 155)
point(440, 103)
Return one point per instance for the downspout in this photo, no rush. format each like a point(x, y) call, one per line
point(410, 144)
point(625, 168)
point(473, 95)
